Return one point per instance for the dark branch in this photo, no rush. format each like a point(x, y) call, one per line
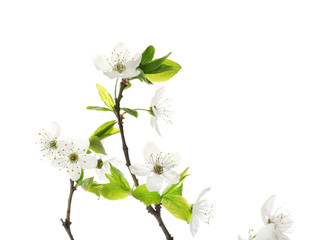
point(157, 211)
point(66, 224)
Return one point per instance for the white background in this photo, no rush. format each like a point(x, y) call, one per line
point(246, 111)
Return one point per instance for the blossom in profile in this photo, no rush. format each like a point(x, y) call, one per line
point(201, 210)
point(158, 167)
point(74, 157)
point(48, 140)
point(120, 64)
point(160, 109)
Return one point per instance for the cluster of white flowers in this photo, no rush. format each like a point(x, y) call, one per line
point(276, 224)
point(72, 156)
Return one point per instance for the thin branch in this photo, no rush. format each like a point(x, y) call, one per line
point(156, 212)
point(66, 224)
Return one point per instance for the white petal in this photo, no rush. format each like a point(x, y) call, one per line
point(73, 171)
point(171, 177)
point(55, 130)
point(112, 74)
point(43, 136)
point(173, 160)
point(120, 48)
point(130, 73)
point(134, 61)
point(158, 95)
point(157, 128)
point(267, 208)
point(81, 146)
point(87, 161)
point(140, 169)
point(154, 183)
point(116, 162)
point(150, 149)
point(194, 225)
point(102, 175)
point(102, 63)
point(202, 194)
point(65, 146)
point(266, 232)
point(59, 162)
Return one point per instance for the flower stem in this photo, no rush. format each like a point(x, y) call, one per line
point(156, 212)
point(66, 224)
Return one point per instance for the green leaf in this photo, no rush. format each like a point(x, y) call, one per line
point(114, 191)
point(178, 206)
point(106, 130)
point(141, 193)
point(96, 145)
point(147, 55)
point(142, 77)
point(176, 189)
point(89, 185)
point(153, 65)
point(98, 108)
point(132, 112)
point(117, 176)
point(164, 72)
point(105, 96)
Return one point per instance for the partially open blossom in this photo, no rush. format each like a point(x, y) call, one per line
point(158, 167)
point(74, 157)
point(119, 64)
point(277, 223)
point(160, 108)
point(103, 166)
point(201, 210)
point(48, 140)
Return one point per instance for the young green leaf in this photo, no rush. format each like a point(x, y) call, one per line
point(166, 71)
point(176, 189)
point(141, 193)
point(89, 185)
point(81, 177)
point(147, 55)
point(114, 191)
point(178, 206)
point(98, 108)
point(132, 112)
point(118, 177)
point(106, 130)
point(153, 65)
point(105, 96)
point(96, 145)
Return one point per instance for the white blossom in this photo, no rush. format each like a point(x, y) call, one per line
point(103, 167)
point(119, 64)
point(277, 223)
point(158, 167)
point(201, 210)
point(160, 108)
point(74, 158)
point(48, 140)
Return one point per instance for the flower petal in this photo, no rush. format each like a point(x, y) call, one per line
point(158, 96)
point(112, 74)
point(154, 183)
point(55, 130)
point(81, 146)
point(202, 194)
point(266, 232)
point(120, 48)
point(134, 61)
point(65, 147)
point(171, 177)
point(194, 225)
point(267, 208)
point(101, 63)
point(73, 171)
point(130, 73)
point(150, 149)
point(59, 162)
point(140, 169)
point(87, 161)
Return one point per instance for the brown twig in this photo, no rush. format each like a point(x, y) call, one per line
point(156, 212)
point(66, 224)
